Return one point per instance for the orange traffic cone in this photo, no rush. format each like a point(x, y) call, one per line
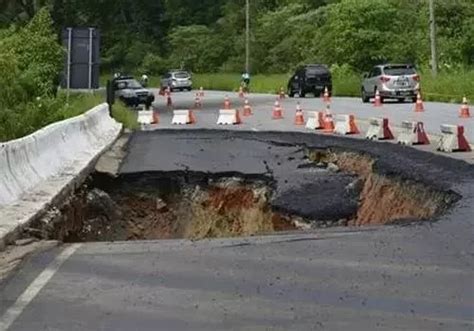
point(377, 100)
point(241, 92)
point(247, 108)
point(192, 118)
point(162, 91)
point(155, 117)
point(326, 97)
point(201, 92)
point(238, 120)
point(197, 101)
point(169, 101)
point(321, 119)
point(277, 111)
point(353, 126)
point(299, 117)
point(464, 112)
point(282, 93)
point(419, 103)
point(328, 126)
point(227, 103)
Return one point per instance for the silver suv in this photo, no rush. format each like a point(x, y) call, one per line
point(177, 80)
point(393, 81)
point(131, 92)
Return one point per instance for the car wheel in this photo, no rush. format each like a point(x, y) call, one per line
point(413, 99)
point(301, 93)
point(291, 94)
point(365, 97)
point(400, 100)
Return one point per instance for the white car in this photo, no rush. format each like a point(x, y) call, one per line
point(177, 80)
point(393, 81)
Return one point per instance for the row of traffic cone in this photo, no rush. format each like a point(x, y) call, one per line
point(277, 113)
point(419, 106)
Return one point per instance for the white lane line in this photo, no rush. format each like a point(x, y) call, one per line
point(35, 287)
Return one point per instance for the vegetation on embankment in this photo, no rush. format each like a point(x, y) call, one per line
point(446, 87)
point(31, 60)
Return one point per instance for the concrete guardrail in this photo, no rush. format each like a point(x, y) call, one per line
point(37, 169)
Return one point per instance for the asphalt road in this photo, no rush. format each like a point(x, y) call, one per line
point(435, 114)
point(417, 277)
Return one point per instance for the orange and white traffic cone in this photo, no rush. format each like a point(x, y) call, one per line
point(155, 117)
point(169, 101)
point(299, 117)
point(353, 126)
point(326, 97)
point(247, 108)
point(328, 126)
point(464, 111)
point(241, 92)
point(277, 111)
point(197, 101)
point(378, 99)
point(419, 104)
point(192, 117)
point(320, 120)
point(227, 103)
point(238, 120)
point(282, 93)
point(201, 92)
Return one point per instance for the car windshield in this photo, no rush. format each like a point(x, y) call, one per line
point(399, 70)
point(314, 71)
point(129, 84)
point(181, 75)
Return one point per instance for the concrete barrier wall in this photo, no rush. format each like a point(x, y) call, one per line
point(27, 162)
point(42, 169)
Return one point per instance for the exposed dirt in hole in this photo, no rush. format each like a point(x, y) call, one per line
point(226, 208)
point(387, 200)
point(197, 206)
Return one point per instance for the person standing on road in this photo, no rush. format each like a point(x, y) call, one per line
point(144, 80)
point(245, 81)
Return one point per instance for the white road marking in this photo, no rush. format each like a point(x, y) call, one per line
point(35, 287)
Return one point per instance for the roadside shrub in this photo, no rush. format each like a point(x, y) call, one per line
point(153, 65)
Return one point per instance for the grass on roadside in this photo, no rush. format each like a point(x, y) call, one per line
point(125, 116)
point(80, 103)
point(446, 87)
point(28, 118)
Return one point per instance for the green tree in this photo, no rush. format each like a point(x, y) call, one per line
point(38, 54)
point(196, 48)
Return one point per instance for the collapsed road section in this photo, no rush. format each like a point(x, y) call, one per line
point(207, 184)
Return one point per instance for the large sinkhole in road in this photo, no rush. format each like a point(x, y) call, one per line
point(340, 189)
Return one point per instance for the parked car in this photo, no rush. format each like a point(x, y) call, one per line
point(393, 81)
point(311, 78)
point(177, 80)
point(131, 92)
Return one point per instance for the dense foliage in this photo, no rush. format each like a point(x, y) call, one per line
point(31, 60)
point(208, 35)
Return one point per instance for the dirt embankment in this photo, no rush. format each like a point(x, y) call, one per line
point(196, 206)
point(386, 200)
point(226, 208)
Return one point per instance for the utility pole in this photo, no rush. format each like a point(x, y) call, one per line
point(247, 36)
point(434, 58)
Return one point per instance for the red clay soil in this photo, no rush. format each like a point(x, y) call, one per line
point(384, 200)
point(226, 199)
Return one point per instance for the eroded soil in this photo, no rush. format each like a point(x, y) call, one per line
point(195, 206)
